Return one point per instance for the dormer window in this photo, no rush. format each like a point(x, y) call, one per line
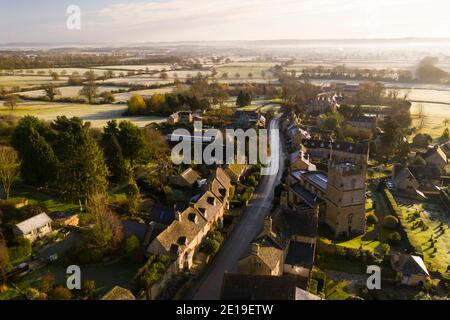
point(211, 201)
point(182, 241)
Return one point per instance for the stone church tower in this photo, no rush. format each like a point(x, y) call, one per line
point(346, 196)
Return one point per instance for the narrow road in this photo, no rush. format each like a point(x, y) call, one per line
point(208, 286)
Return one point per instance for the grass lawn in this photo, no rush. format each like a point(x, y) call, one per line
point(98, 115)
point(431, 215)
point(51, 202)
point(336, 290)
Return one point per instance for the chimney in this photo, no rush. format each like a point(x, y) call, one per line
point(255, 248)
point(177, 214)
point(268, 224)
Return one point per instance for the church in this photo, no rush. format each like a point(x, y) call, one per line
point(339, 193)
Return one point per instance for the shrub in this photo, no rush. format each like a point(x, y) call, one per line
point(385, 248)
point(47, 283)
point(390, 222)
point(211, 246)
point(89, 289)
point(32, 294)
point(152, 272)
point(20, 251)
point(132, 247)
point(60, 293)
point(372, 218)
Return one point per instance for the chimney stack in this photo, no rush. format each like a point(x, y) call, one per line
point(255, 248)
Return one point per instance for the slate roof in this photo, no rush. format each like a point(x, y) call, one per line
point(420, 172)
point(256, 287)
point(300, 254)
point(438, 151)
point(162, 214)
point(305, 194)
point(409, 265)
point(288, 223)
point(33, 223)
point(356, 148)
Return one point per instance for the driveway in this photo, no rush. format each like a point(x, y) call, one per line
point(208, 286)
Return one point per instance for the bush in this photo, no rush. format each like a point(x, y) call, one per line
point(211, 246)
point(47, 283)
point(132, 247)
point(372, 218)
point(89, 289)
point(60, 293)
point(32, 294)
point(390, 222)
point(385, 248)
point(21, 251)
point(152, 272)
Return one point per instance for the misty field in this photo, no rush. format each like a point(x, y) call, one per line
point(150, 67)
point(98, 115)
point(69, 92)
point(63, 72)
point(125, 96)
point(142, 80)
point(26, 81)
point(244, 69)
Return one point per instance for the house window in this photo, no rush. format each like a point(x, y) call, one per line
point(350, 219)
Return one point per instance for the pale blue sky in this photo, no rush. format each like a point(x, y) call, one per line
point(186, 20)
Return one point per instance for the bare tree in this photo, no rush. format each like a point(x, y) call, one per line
point(9, 168)
point(421, 116)
point(11, 101)
point(107, 231)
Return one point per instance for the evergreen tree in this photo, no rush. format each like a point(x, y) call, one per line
point(82, 171)
point(132, 141)
point(119, 168)
point(39, 163)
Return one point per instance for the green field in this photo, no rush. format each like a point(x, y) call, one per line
point(98, 115)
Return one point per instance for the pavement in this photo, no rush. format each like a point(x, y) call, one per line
point(208, 285)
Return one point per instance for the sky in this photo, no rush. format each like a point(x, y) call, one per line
point(221, 20)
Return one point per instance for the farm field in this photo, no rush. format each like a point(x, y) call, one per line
point(26, 81)
point(125, 96)
point(184, 74)
point(98, 115)
point(60, 71)
point(138, 67)
point(435, 115)
point(244, 68)
point(69, 92)
point(136, 80)
point(429, 95)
